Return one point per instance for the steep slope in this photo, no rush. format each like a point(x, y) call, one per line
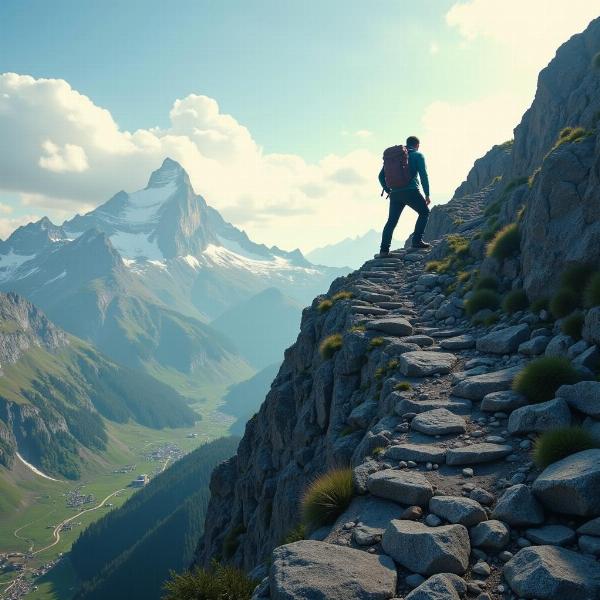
point(263, 326)
point(55, 391)
point(429, 387)
point(153, 532)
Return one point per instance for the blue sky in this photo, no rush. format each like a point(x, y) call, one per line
point(315, 90)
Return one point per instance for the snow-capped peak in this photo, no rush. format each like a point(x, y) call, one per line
point(170, 172)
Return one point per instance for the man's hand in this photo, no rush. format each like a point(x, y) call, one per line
point(427, 200)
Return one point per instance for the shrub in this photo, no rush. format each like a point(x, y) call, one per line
point(592, 291)
point(482, 299)
point(487, 283)
point(514, 301)
point(327, 497)
point(563, 303)
point(437, 266)
point(458, 244)
point(376, 342)
point(403, 386)
point(295, 535)
point(556, 444)
point(540, 379)
point(539, 305)
point(217, 583)
point(324, 305)
point(358, 329)
point(343, 295)
point(330, 345)
point(505, 243)
point(575, 277)
point(573, 324)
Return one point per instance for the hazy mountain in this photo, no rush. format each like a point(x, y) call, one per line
point(244, 399)
point(350, 252)
point(55, 391)
point(263, 326)
point(141, 275)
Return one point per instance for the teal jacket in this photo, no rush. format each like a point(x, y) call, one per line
point(416, 164)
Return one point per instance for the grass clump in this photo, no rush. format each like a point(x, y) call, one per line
point(539, 305)
point(575, 277)
point(573, 324)
point(540, 379)
point(403, 386)
point(567, 136)
point(324, 305)
point(296, 534)
point(557, 444)
point(376, 342)
point(591, 294)
point(357, 329)
point(220, 582)
point(563, 303)
point(378, 451)
point(487, 283)
point(327, 497)
point(330, 345)
point(482, 299)
point(343, 295)
point(514, 301)
point(505, 243)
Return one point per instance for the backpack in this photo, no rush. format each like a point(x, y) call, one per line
point(395, 167)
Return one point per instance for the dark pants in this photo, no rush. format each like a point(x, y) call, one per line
point(398, 200)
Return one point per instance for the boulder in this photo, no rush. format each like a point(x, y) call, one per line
point(443, 586)
point(590, 528)
point(404, 487)
point(362, 414)
point(518, 507)
point(460, 406)
point(553, 573)
point(457, 509)
point(551, 535)
point(423, 363)
point(490, 535)
point(398, 326)
point(535, 346)
point(589, 545)
point(478, 386)
point(591, 326)
point(505, 401)
point(571, 486)
point(459, 342)
point(583, 396)
point(559, 345)
point(477, 453)
point(311, 569)
point(439, 421)
point(537, 418)
point(428, 550)
point(503, 341)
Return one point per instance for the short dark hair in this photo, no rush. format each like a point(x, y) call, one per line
point(412, 141)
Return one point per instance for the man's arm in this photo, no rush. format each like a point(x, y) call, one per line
point(382, 181)
point(422, 171)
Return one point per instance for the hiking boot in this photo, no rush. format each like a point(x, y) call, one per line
point(421, 245)
point(382, 254)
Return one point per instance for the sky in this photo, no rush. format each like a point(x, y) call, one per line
point(278, 109)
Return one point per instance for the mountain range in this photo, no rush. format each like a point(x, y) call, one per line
point(143, 276)
point(349, 252)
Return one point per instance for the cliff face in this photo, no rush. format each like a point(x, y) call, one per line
point(442, 468)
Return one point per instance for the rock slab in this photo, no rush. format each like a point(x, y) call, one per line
point(422, 363)
point(404, 487)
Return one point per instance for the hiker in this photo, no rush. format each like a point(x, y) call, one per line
point(398, 178)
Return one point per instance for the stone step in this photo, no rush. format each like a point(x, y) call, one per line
point(421, 453)
point(477, 454)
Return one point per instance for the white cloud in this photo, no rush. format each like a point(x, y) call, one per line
point(433, 48)
point(530, 31)
point(70, 155)
point(456, 134)
point(8, 225)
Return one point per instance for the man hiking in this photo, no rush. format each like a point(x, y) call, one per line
point(398, 178)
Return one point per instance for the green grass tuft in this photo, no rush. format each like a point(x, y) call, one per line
point(592, 291)
point(376, 342)
point(403, 386)
point(573, 324)
point(567, 136)
point(487, 283)
point(575, 277)
point(540, 379)
point(220, 582)
point(324, 305)
point(482, 299)
point(514, 301)
point(563, 303)
point(327, 497)
point(539, 305)
point(378, 451)
point(505, 243)
point(296, 534)
point(357, 329)
point(343, 295)
point(330, 345)
point(557, 444)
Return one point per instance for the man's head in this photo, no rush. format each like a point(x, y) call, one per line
point(412, 141)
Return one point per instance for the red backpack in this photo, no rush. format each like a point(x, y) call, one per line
point(395, 167)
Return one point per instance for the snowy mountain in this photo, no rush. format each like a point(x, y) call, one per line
point(142, 275)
